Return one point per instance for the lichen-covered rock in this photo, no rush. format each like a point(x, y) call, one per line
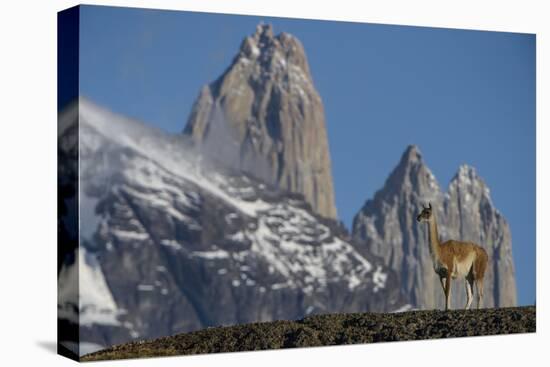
point(335, 329)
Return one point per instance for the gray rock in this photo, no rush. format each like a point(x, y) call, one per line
point(388, 228)
point(264, 115)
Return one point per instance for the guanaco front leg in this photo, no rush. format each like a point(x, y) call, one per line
point(447, 293)
point(442, 283)
point(479, 286)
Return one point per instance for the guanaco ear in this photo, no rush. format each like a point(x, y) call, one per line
point(430, 206)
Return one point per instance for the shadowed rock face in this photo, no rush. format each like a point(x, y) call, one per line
point(387, 225)
point(266, 107)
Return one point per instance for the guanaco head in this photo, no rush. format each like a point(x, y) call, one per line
point(426, 213)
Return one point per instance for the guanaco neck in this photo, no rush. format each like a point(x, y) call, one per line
point(434, 238)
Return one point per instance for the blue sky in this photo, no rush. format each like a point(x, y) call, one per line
point(461, 96)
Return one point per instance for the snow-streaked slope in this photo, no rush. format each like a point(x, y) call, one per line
point(296, 244)
point(183, 244)
point(166, 151)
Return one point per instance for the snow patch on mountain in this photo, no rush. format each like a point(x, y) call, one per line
point(96, 303)
point(83, 283)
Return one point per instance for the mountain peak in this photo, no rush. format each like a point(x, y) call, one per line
point(411, 176)
point(263, 97)
point(411, 166)
point(263, 30)
point(411, 155)
point(466, 172)
point(466, 176)
point(467, 180)
point(261, 42)
point(281, 54)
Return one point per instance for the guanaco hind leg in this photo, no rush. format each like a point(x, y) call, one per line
point(479, 286)
point(469, 281)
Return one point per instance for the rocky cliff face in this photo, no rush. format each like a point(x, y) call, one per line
point(264, 115)
point(171, 244)
point(387, 226)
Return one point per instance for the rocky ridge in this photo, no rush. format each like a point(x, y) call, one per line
point(336, 329)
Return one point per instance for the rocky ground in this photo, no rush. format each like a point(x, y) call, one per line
point(332, 329)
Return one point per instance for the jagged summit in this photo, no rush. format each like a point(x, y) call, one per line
point(412, 175)
point(411, 154)
point(274, 53)
point(466, 170)
point(466, 174)
point(266, 107)
point(411, 159)
point(264, 30)
point(468, 183)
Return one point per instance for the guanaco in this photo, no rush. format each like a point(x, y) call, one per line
point(455, 259)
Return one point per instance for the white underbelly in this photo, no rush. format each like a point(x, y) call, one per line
point(461, 269)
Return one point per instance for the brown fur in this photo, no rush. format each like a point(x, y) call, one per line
point(460, 251)
point(480, 265)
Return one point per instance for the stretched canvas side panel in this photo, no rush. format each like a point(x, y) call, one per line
point(67, 182)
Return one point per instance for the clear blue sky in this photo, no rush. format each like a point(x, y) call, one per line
point(461, 96)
